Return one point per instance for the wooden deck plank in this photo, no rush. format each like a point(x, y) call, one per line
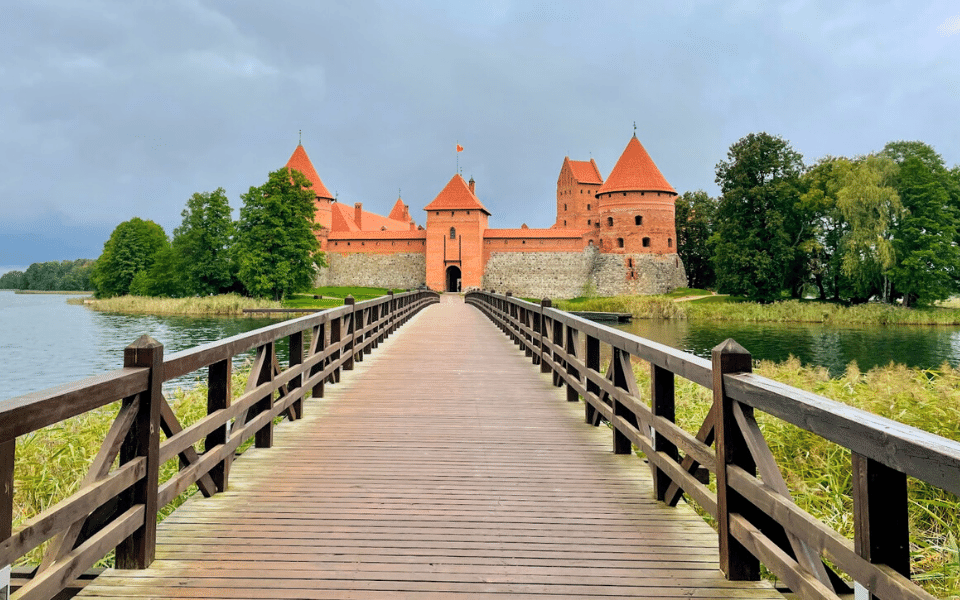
point(445, 464)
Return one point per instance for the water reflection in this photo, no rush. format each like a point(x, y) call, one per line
point(814, 344)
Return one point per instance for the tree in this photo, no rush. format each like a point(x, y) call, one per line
point(821, 250)
point(758, 226)
point(926, 237)
point(132, 248)
point(277, 250)
point(203, 242)
point(11, 280)
point(871, 207)
point(695, 213)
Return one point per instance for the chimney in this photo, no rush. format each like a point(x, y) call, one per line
point(473, 186)
point(357, 212)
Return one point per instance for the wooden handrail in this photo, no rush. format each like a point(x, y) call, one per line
point(116, 508)
point(759, 521)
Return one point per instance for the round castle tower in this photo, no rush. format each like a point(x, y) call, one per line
point(636, 206)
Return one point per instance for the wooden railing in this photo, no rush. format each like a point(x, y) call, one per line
point(757, 519)
point(116, 508)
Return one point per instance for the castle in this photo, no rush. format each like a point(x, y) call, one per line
point(611, 237)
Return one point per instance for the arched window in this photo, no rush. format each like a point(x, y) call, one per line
point(646, 242)
point(453, 233)
point(669, 242)
point(638, 220)
point(609, 221)
point(619, 242)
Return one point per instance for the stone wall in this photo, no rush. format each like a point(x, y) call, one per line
point(573, 274)
point(398, 271)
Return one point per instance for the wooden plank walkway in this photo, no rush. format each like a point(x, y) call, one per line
point(444, 464)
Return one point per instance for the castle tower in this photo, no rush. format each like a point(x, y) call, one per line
point(636, 206)
point(577, 187)
point(323, 198)
point(456, 221)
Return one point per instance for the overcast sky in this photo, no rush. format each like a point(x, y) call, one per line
point(111, 110)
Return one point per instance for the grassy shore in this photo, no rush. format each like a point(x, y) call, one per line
point(223, 305)
point(725, 308)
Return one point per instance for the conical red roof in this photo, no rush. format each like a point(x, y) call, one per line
point(635, 172)
point(301, 162)
point(456, 196)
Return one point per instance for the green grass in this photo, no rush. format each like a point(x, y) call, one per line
point(330, 297)
point(223, 305)
point(818, 472)
point(731, 308)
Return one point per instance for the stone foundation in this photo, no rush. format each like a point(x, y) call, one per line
point(574, 274)
point(397, 271)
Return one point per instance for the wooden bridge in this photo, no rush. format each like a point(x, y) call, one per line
point(438, 461)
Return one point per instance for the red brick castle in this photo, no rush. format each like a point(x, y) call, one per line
point(610, 237)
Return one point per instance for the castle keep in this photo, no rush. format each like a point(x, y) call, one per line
point(610, 237)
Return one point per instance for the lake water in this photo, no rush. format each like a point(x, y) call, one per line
point(46, 342)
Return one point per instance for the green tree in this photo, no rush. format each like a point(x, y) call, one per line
point(695, 212)
point(203, 244)
point(132, 247)
point(821, 250)
point(871, 207)
point(758, 226)
point(277, 250)
point(11, 280)
point(926, 237)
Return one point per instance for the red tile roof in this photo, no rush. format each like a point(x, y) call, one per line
point(585, 171)
point(635, 172)
point(456, 196)
point(344, 219)
point(400, 212)
point(301, 162)
point(535, 233)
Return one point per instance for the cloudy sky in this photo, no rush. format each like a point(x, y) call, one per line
point(111, 110)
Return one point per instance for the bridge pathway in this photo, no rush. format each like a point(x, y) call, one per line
point(444, 464)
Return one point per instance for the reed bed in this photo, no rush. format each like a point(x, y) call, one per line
point(818, 472)
point(222, 305)
point(720, 308)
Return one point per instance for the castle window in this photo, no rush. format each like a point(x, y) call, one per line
point(641, 193)
point(609, 221)
point(630, 262)
point(589, 222)
point(564, 207)
point(619, 242)
point(453, 233)
point(564, 222)
point(451, 213)
point(646, 242)
point(588, 207)
point(468, 212)
point(638, 220)
point(669, 242)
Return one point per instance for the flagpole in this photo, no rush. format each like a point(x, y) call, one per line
point(458, 157)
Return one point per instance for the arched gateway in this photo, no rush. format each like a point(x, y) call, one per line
point(453, 278)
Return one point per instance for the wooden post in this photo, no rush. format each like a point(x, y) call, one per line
point(662, 403)
point(143, 440)
point(624, 379)
point(350, 320)
point(264, 437)
point(218, 398)
point(317, 345)
point(881, 529)
point(295, 342)
point(7, 457)
point(736, 562)
point(593, 364)
point(572, 347)
point(544, 333)
point(558, 340)
point(392, 326)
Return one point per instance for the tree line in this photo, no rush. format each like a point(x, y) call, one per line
point(270, 251)
point(53, 276)
point(884, 226)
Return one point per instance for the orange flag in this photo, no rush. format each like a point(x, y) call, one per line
point(459, 148)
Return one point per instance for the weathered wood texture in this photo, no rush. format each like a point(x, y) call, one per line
point(444, 464)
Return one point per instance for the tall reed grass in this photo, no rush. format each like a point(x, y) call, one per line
point(818, 472)
point(716, 308)
point(222, 305)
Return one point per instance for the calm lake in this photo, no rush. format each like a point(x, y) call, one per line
point(46, 342)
